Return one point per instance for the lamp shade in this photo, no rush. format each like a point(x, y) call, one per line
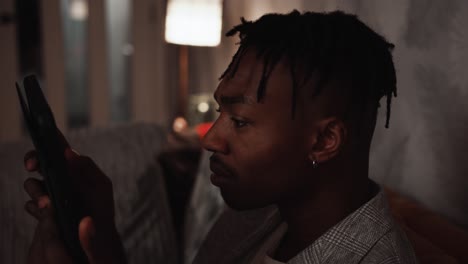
point(194, 22)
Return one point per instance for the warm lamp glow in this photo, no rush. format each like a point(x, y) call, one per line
point(203, 107)
point(179, 124)
point(79, 10)
point(194, 22)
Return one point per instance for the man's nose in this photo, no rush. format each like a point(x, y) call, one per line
point(214, 141)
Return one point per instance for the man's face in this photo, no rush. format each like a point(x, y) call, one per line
point(259, 152)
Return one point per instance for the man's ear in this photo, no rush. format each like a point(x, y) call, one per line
point(328, 141)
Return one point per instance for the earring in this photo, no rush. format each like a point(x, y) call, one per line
point(314, 164)
point(314, 161)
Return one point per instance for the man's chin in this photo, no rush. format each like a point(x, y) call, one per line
point(242, 203)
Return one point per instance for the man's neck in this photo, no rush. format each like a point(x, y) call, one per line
point(317, 212)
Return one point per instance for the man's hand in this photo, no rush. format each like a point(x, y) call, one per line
point(97, 233)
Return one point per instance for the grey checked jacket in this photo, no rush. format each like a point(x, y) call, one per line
point(368, 235)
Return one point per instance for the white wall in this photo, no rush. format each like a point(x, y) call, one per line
point(425, 152)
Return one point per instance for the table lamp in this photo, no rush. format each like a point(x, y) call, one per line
point(191, 23)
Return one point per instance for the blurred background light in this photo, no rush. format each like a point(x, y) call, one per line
point(203, 107)
point(194, 22)
point(179, 124)
point(78, 10)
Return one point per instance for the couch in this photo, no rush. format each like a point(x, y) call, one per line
point(128, 155)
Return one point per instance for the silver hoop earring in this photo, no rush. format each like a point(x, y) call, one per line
point(314, 164)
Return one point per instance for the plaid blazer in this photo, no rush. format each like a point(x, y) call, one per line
point(368, 235)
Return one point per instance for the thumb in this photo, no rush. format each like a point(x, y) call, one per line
point(87, 235)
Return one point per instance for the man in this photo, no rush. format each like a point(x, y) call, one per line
point(298, 107)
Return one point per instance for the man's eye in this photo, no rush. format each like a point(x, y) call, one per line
point(238, 123)
point(218, 109)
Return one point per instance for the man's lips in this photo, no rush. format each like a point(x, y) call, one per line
point(219, 168)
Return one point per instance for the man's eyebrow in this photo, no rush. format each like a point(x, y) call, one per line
point(230, 100)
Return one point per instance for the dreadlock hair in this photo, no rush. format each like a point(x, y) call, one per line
point(336, 45)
